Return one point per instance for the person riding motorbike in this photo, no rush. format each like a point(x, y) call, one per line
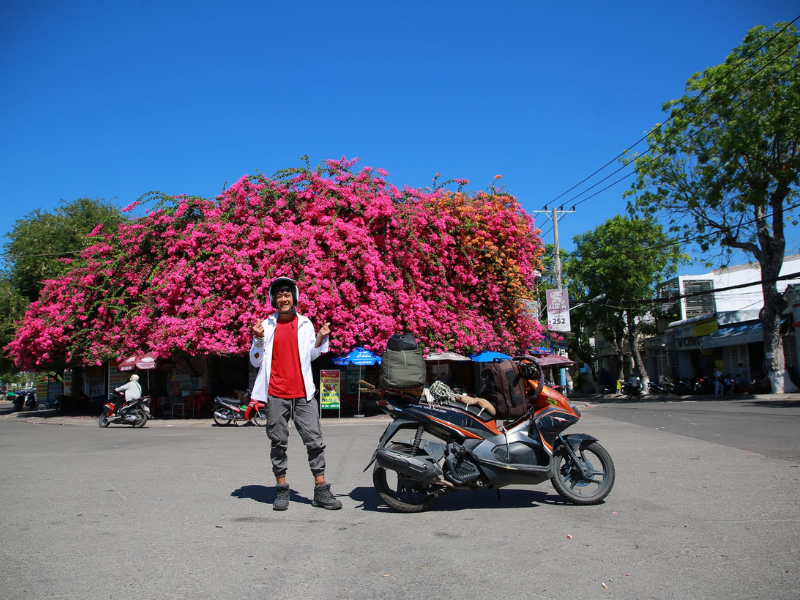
point(132, 389)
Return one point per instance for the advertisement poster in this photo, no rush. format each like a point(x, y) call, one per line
point(441, 373)
point(329, 383)
point(558, 310)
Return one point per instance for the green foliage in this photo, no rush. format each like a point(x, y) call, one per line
point(39, 242)
point(12, 308)
point(623, 258)
point(724, 169)
point(726, 164)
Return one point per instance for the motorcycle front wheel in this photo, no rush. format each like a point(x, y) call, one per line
point(219, 420)
point(260, 417)
point(569, 482)
point(141, 417)
point(103, 420)
point(398, 492)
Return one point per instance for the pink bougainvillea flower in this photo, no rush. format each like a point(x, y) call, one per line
point(192, 274)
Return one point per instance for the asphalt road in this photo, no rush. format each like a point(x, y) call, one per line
point(182, 510)
point(763, 424)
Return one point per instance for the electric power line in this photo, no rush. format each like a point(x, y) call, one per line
point(676, 297)
point(677, 113)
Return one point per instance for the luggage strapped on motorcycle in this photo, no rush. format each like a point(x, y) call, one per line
point(504, 385)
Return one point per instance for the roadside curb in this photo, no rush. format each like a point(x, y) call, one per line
point(50, 417)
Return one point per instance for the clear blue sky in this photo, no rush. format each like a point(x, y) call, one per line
point(115, 99)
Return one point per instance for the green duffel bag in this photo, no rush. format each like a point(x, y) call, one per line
point(403, 367)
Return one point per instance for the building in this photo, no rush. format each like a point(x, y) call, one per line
point(719, 328)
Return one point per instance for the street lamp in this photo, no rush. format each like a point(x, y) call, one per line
point(591, 301)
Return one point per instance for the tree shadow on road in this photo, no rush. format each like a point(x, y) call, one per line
point(369, 500)
point(776, 403)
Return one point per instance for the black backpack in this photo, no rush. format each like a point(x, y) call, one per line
point(402, 341)
point(402, 365)
point(504, 386)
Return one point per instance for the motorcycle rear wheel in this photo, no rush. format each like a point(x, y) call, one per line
point(103, 420)
point(260, 417)
point(569, 482)
point(221, 421)
point(399, 493)
point(141, 417)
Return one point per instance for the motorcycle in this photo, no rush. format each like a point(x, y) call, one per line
point(684, 387)
point(135, 413)
point(71, 405)
point(704, 385)
point(230, 410)
point(25, 399)
point(459, 446)
point(663, 387)
point(632, 391)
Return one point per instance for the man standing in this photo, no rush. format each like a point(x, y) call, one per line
point(719, 387)
point(284, 346)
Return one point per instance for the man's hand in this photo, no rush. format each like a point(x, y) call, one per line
point(258, 329)
point(323, 332)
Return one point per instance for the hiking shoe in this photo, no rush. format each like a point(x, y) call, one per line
point(324, 498)
point(281, 497)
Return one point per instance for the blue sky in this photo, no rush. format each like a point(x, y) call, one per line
point(115, 99)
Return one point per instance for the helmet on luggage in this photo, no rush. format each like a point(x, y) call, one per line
point(279, 283)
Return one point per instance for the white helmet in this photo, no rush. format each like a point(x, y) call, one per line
point(134, 377)
point(281, 282)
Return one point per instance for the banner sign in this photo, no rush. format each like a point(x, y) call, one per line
point(329, 382)
point(558, 310)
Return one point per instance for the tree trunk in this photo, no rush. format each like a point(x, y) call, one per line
point(638, 363)
point(619, 337)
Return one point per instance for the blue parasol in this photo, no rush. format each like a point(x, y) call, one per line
point(488, 356)
point(357, 356)
point(361, 357)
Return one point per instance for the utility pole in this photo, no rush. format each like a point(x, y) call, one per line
point(556, 214)
point(557, 263)
point(557, 257)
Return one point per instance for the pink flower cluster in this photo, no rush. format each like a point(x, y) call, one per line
point(370, 258)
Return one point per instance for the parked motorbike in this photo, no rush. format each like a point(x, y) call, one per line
point(134, 413)
point(684, 386)
point(632, 391)
point(662, 387)
point(72, 405)
point(460, 447)
point(230, 410)
point(704, 385)
point(25, 398)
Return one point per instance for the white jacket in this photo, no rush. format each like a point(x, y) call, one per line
point(306, 345)
point(132, 389)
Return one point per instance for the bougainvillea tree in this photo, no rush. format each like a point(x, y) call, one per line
point(192, 274)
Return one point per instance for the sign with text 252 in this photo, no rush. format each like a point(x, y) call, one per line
point(558, 310)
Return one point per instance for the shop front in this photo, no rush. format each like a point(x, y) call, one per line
point(685, 338)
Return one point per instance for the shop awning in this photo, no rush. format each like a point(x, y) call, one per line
point(746, 333)
point(555, 361)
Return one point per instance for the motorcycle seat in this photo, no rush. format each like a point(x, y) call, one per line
point(232, 401)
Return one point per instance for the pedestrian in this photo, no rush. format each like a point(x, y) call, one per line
point(283, 348)
point(719, 388)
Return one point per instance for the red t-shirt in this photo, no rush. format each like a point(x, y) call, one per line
point(286, 376)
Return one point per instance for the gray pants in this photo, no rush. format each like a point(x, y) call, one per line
point(305, 415)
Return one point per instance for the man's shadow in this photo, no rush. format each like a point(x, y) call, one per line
point(266, 495)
